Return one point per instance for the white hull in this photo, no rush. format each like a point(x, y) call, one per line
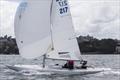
point(57, 70)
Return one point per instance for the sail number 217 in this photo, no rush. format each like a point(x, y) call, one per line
point(63, 6)
point(63, 10)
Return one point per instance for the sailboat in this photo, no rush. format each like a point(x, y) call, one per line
point(45, 28)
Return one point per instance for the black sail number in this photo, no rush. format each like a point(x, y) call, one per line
point(63, 10)
point(63, 6)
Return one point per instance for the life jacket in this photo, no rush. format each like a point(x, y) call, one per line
point(71, 64)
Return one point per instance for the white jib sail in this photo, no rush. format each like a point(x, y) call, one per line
point(64, 41)
point(32, 28)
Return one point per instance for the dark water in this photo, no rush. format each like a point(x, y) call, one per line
point(108, 61)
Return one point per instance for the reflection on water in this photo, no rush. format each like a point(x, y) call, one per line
point(109, 61)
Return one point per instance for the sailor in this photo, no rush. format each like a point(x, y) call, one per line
point(69, 64)
point(84, 64)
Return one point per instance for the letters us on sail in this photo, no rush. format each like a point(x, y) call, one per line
point(63, 7)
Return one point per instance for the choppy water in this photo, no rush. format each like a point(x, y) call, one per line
point(108, 61)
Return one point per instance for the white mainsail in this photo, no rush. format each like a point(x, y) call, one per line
point(64, 41)
point(32, 28)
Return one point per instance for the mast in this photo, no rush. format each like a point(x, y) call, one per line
point(52, 48)
point(51, 8)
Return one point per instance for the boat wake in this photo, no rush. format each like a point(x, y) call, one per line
point(110, 72)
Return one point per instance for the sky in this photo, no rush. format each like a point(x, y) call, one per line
point(98, 18)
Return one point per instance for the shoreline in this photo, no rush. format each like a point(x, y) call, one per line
point(81, 54)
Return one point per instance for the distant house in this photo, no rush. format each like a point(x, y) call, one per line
point(118, 47)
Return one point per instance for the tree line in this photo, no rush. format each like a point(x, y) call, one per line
point(87, 44)
point(96, 46)
point(8, 45)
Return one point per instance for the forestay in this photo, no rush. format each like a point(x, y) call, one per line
point(64, 41)
point(32, 28)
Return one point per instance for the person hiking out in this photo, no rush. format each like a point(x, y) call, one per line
point(84, 64)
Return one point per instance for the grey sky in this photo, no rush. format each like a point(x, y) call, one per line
point(99, 18)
